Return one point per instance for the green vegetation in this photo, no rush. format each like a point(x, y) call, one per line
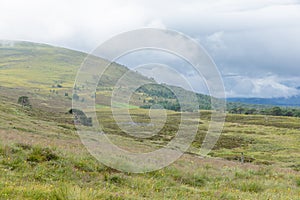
point(46, 160)
point(275, 111)
point(42, 157)
point(173, 98)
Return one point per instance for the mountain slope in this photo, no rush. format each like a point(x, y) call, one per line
point(46, 74)
point(42, 66)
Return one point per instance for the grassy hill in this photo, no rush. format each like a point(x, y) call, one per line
point(42, 157)
point(47, 72)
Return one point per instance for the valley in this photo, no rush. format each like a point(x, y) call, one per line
point(42, 157)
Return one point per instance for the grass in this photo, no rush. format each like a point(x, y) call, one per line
point(63, 169)
point(42, 157)
point(83, 177)
point(250, 187)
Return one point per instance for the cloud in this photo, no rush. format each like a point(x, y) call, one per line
point(156, 23)
point(169, 75)
point(265, 87)
point(256, 52)
point(251, 38)
point(216, 42)
point(80, 25)
point(166, 67)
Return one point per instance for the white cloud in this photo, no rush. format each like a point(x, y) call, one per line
point(156, 23)
point(84, 24)
point(250, 37)
point(171, 76)
point(215, 42)
point(265, 87)
point(79, 25)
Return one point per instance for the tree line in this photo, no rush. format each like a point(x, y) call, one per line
point(275, 111)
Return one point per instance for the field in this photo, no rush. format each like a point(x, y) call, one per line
point(42, 157)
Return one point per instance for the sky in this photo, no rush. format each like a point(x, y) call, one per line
point(254, 43)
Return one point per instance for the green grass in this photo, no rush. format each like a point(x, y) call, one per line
point(82, 177)
point(42, 157)
point(51, 163)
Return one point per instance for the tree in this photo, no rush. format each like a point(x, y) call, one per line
point(250, 111)
point(276, 111)
point(288, 113)
point(297, 113)
point(233, 111)
point(240, 110)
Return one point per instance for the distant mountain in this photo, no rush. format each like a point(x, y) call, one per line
point(291, 101)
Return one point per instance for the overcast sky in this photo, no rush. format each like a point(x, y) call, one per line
point(254, 43)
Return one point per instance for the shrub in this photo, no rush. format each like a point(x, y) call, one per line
point(41, 155)
point(114, 179)
point(298, 182)
point(24, 146)
point(196, 180)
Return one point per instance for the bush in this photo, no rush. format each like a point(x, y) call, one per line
point(298, 182)
point(195, 181)
point(41, 155)
point(24, 146)
point(113, 179)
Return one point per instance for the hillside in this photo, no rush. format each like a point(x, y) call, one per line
point(47, 74)
point(42, 157)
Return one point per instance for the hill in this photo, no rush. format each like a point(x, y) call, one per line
point(42, 157)
point(46, 74)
